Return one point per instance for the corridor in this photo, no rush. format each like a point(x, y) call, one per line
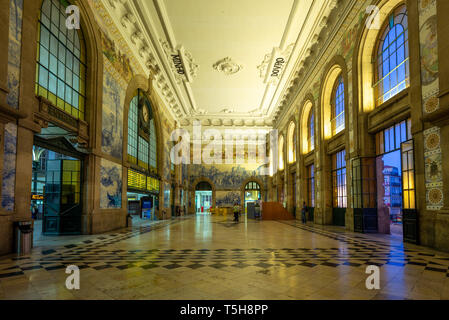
point(209, 257)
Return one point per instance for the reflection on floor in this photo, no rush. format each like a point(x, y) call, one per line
point(205, 257)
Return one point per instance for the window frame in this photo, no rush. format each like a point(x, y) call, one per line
point(335, 98)
point(338, 174)
point(61, 62)
point(378, 55)
point(152, 139)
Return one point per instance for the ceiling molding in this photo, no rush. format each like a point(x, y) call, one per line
point(149, 32)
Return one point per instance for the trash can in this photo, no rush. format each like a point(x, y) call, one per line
point(23, 237)
point(129, 221)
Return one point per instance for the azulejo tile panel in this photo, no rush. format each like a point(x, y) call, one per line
point(113, 102)
point(227, 198)
point(9, 167)
point(433, 169)
point(429, 54)
point(226, 176)
point(110, 185)
point(14, 52)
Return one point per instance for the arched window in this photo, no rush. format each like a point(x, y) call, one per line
point(281, 153)
point(291, 142)
point(61, 60)
point(252, 186)
point(311, 131)
point(142, 139)
point(338, 106)
point(393, 56)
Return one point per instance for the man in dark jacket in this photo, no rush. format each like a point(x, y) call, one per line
point(303, 213)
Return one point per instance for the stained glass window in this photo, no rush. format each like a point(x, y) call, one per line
point(393, 56)
point(61, 60)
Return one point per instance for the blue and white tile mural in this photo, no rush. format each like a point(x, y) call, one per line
point(225, 176)
point(167, 161)
point(166, 195)
point(9, 167)
point(14, 52)
point(227, 198)
point(113, 101)
point(110, 185)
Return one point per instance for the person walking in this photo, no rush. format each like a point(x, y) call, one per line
point(236, 210)
point(303, 213)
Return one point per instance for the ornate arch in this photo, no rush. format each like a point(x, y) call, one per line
point(193, 188)
point(335, 68)
point(363, 62)
point(145, 84)
point(291, 158)
point(248, 180)
point(90, 127)
point(308, 105)
point(281, 155)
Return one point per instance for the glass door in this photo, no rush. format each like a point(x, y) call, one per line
point(410, 214)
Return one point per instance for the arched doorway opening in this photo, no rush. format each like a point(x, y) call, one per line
point(252, 194)
point(203, 197)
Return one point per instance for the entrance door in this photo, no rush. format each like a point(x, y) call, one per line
point(203, 197)
point(395, 180)
point(311, 191)
point(62, 197)
point(293, 193)
point(57, 180)
point(252, 194)
point(339, 196)
point(409, 212)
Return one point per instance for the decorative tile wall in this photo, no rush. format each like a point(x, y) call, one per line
point(9, 167)
point(113, 103)
point(227, 198)
point(12, 99)
point(14, 52)
point(229, 177)
point(429, 54)
point(433, 169)
point(110, 185)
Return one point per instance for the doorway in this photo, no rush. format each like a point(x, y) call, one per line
point(339, 195)
point(56, 188)
point(251, 194)
point(395, 177)
point(203, 198)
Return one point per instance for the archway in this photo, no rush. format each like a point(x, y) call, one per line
point(251, 194)
point(203, 197)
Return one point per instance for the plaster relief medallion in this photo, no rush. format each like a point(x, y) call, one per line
point(435, 196)
point(432, 141)
point(227, 66)
point(431, 105)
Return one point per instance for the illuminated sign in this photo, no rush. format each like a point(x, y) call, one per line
point(37, 197)
point(140, 181)
point(152, 184)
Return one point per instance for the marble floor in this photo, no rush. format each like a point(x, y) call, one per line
point(208, 257)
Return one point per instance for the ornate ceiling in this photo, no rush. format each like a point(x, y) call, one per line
point(225, 63)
